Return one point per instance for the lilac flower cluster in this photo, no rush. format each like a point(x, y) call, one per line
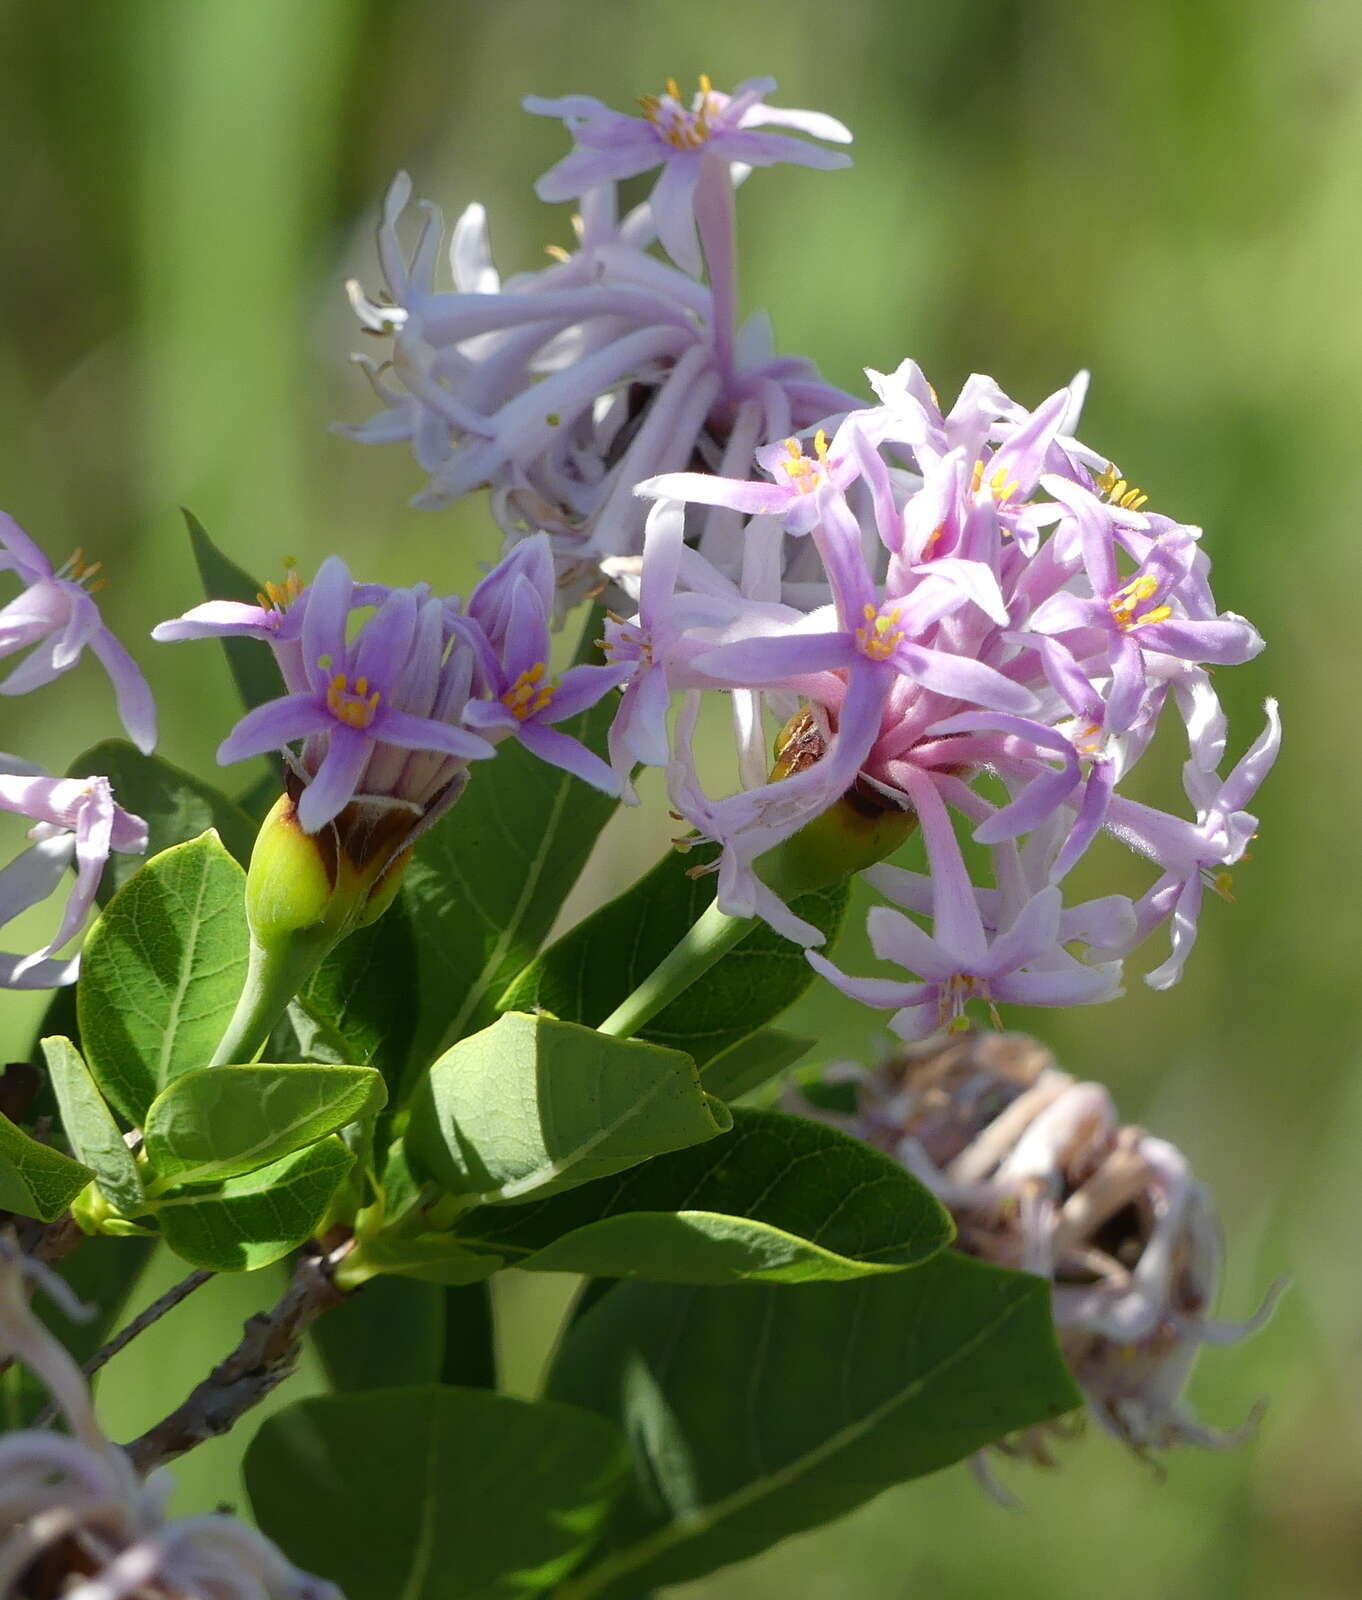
point(561, 389)
point(999, 607)
point(1041, 1176)
point(389, 714)
point(972, 618)
point(76, 821)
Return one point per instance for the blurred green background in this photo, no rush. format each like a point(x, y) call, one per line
point(1168, 193)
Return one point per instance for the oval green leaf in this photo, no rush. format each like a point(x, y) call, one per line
point(435, 1493)
point(530, 1106)
point(224, 1121)
point(35, 1180)
point(256, 1219)
point(162, 971)
point(843, 1389)
point(89, 1126)
point(777, 1198)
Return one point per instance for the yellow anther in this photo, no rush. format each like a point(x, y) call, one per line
point(557, 252)
point(686, 129)
point(1127, 599)
point(880, 638)
point(1119, 492)
point(77, 570)
point(805, 472)
point(280, 596)
point(529, 694)
point(1000, 485)
point(354, 707)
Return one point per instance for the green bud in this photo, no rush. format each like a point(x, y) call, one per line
point(304, 894)
point(857, 831)
point(289, 884)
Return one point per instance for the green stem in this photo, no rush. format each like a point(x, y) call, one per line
point(711, 938)
point(273, 977)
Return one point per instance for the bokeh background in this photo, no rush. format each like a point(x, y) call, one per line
point(1169, 194)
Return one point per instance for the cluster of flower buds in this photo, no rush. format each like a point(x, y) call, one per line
point(1041, 1176)
point(966, 619)
point(76, 1520)
point(76, 822)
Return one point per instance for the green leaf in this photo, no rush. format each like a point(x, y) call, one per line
point(431, 1257)
point(777, 1198)
point(89, 1126)
point(487, 881)
point(753, 1061)
point(365, 998)
point(434, 1493)
point(255, 1220)
point(224, 1121)
point(389, 1333)
point(162, 971)
point(251, 660)
point(175, 806)
point(35, 1180)
point(530, 1106)
point(759, 1412)
point(748, 988)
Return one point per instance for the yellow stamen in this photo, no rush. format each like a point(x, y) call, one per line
point(280, 596)
point(1000, 485)
point(880, 637)
point(1119, 492)
point(557, 252)
point(355, 707)
point(1158, 614)
point(1127, 599)
point(529, 693)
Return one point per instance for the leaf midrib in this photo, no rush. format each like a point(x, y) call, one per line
point(710, 1516)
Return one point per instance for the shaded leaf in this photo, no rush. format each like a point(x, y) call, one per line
point(35, 1180)
point(753, 1061)
point(251, 661)
point(388, 1333)
point(365, 997)
point(744, 991)
point(90, 1128)
point(488, 880)
point(175, 806)
point(531, 1106)
point(434, 1493)
point(161, 973)
point(777, 1198)
point(254, 1220)
point(830, 1394)
point(224, 1121)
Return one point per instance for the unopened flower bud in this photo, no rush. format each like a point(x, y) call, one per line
point(855, 832)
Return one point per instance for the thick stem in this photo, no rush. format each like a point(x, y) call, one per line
point(715, 217)
point(712, 937)
point(266, 1355)
point(273, 978)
